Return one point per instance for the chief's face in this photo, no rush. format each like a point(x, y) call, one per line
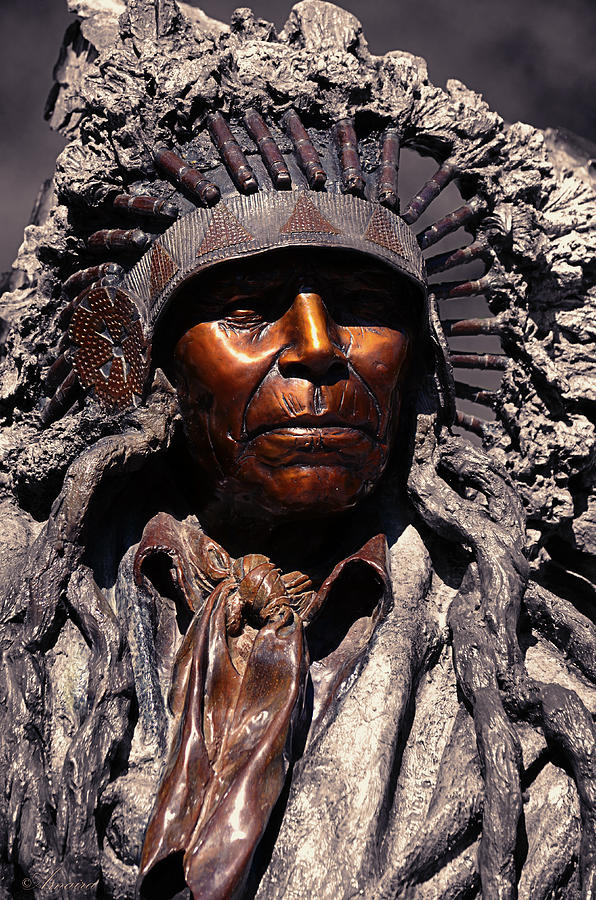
point(289, 372)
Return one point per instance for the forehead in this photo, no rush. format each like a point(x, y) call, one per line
point(318, 266)
point(275, 274)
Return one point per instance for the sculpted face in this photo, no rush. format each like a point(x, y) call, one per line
point(289, 371)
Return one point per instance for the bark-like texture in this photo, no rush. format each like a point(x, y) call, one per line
point(81, 757)
point(133, 76)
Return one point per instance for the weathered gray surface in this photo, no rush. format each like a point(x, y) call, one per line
point(130, 76)
point(127, 80)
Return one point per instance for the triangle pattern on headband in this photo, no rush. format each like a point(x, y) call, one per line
point(306, 219)
point(224, 231)
point(161, 269)
point(381, 230)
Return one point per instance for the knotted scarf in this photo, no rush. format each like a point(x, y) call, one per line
point(237, 696)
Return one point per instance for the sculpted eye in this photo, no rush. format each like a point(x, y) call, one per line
point(243, 317)
point(247, 309)
point(362, 308)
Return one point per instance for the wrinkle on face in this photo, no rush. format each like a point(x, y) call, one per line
point(303, 396)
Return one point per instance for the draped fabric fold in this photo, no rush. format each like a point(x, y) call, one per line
point(237, 694)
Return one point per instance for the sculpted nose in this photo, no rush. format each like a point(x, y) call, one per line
point(312, 350)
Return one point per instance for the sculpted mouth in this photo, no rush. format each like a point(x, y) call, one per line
point(308, 422)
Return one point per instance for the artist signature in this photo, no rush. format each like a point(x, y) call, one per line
point(30, 884)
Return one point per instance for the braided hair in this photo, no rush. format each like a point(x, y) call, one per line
point(483, 620)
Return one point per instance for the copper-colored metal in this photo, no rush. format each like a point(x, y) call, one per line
point(457, 327)
point(434, 233)
point(452, 290)
point(187, 177)
point(212, 780)
point(270, 152)
point(119, 239)
point(82, 279)
point(478, 361)
point(351, 171)
point(333, 382)
point(381, 230)
point(308, 158)
point(452, 258)
point(143, 205)
point(470, 423)
point(105, 274)
point(162, 269)
point(224, 231)
point(231, 153)
point(237, 696)
point(474, 394)
point(289, 407)
point(112, 355)
point(388, 176)
point(305, 218)
point(429, 192)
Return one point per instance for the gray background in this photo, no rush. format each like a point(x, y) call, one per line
point(532, 60)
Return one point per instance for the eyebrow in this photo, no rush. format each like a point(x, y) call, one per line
point(375, 279)
point(235, 282)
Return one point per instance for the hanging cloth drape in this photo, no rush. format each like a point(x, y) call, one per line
point(237, 694)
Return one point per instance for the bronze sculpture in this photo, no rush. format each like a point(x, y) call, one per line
point(242, 609)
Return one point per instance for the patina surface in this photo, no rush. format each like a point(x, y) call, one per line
point(269, 628)
point(290, 380)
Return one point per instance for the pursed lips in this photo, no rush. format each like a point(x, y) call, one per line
point(305, 422)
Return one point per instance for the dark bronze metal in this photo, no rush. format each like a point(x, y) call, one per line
point(347, 144)
point(456, 327)
point(243, 225)
point(82, 279)
point(308, 158)
point(452, 290)
point(480, 249)
point(65, 396)
point(307, 219)
point(476, 395)
point(429, 192)
point(224, 231)
point(119, 239)
point(162, 268)
point(470, 423)
point(434, 233)
point(171, 707)
point(58, 371)
point(478, 361)
point(231, 153)
point(388, 175)
point(112, 354)
point(143, 205)
point(106, 274)
point(270, 152)
point(380, 231)
point(188, 178)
